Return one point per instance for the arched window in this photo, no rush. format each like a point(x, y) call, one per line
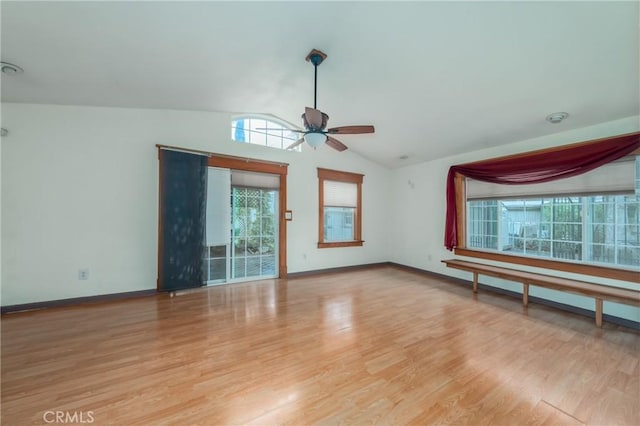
point(265, 131)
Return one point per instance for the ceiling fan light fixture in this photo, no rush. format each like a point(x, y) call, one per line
point(315, 139)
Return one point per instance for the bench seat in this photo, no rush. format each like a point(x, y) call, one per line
point(597, 291)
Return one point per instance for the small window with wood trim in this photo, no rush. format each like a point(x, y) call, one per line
point(340, 209)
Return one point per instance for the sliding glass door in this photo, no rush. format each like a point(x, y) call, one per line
point(242, 226)
point(254, 233)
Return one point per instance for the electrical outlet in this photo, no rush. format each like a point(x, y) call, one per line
point(83, 274)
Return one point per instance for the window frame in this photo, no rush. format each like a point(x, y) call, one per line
point(611, 272)
point(347, 177)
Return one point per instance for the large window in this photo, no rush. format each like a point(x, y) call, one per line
point(340, 209)
point(600, 229)
point(591, 220)
point(263, 131)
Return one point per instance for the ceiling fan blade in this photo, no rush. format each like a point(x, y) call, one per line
point(296, 143)
point(313, 117)
point(351, 130)
point(336, 144)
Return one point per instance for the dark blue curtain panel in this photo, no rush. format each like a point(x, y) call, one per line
point(183, 196)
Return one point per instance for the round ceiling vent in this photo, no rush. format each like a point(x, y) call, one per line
point(557, 117)
point(10, 69)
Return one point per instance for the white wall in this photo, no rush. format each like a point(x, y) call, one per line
point(80, 185)
point(418, 223)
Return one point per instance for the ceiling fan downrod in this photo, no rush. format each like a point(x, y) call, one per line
point(315, 57)
point(315, 85)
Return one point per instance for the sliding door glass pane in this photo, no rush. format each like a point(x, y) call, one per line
point(255, 232)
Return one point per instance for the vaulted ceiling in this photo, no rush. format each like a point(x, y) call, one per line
point(435, 78)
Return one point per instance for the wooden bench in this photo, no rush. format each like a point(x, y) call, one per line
point(597, 291)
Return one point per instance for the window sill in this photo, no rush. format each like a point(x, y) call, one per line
point(573, 267)
point(341, 244)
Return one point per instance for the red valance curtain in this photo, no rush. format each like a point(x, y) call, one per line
point(536, 167)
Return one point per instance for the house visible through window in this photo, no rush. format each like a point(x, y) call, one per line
point(263, 131)
point(340, 209)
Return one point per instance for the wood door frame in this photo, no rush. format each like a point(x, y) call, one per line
point(260, 166)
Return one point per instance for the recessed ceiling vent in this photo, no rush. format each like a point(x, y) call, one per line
point(10, 69)
point(557, 117)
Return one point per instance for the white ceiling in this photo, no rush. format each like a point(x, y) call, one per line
point(435, 78)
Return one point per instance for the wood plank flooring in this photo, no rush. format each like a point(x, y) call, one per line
point(379, 346)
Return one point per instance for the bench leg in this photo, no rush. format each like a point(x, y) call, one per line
point(525, 294)
point(475, 282)
point(598, 312)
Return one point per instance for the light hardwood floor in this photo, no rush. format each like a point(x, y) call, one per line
point(383, 346)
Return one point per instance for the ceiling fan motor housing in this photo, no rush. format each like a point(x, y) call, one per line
point(312, 128)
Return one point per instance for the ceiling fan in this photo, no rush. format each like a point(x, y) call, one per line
point(315, 120)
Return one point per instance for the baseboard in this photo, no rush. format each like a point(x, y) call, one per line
point(119, 296)
point(76, 301)
point(142, 293)
point(546, 302)
point(294, 275)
